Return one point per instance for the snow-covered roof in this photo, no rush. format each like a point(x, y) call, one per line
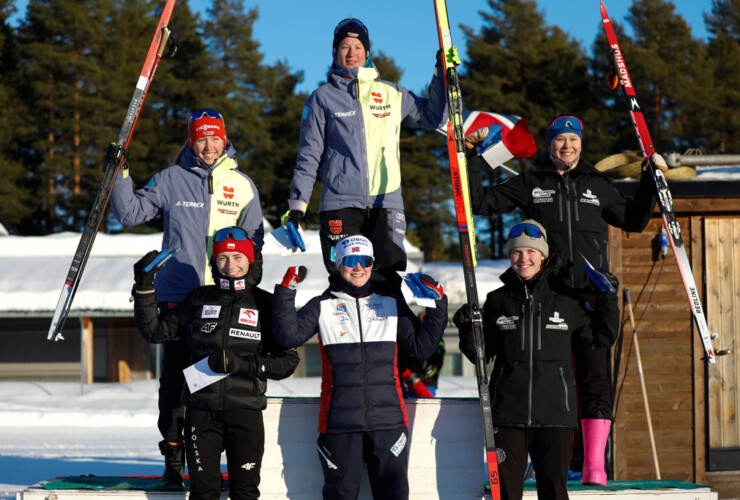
point(35, 267)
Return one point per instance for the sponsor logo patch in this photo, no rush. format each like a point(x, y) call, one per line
point(540, 195)
point(507, 322)
point(245, 334)
point(399, 445)
point(248, 316)
point(210, 312)
point(335, 226)
point(228, 192)
point(209, 327)
point(589, 197)
point(556, 322)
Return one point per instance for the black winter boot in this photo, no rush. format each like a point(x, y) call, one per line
point(174, 463)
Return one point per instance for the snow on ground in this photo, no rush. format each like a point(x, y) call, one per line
point(50, 429)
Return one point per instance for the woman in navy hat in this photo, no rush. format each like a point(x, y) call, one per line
point(574, 202)
point(350, 131)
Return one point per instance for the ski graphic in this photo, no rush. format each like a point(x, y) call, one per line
point(465, 229)
point(621, 79)
point(114, 160)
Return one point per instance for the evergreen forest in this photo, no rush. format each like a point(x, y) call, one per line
point(69, 66)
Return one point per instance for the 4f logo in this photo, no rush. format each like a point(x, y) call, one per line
point(249, 466)
point(208, 327)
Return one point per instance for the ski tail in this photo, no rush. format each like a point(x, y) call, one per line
point(619, 77)
point(110, 173)
point(466, 233)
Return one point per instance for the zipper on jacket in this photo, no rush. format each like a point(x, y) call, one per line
point(210, 182)
point(363, 136)
point(565, 387)
point(570, 229)
point(530, 389)
point(224, 338)
point(560, 201)
point(539, 326)
point(575, 199)
point(362, 356)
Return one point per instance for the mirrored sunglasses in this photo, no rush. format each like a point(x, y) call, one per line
point(528, 229)
point(235, 233)
point(353, 260)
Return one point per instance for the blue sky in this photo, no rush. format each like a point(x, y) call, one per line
point(300, 31)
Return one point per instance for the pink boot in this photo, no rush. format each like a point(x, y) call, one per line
point(595, 433)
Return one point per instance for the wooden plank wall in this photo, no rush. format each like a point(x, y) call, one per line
point(664, 329)
point(723, 316)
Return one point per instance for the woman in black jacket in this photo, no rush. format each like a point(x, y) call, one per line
point(528, 324)
point(575, 203)
point(229, 324)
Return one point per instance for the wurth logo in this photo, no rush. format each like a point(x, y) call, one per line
point(228, 192)
point(377, 97)
point(335, 226)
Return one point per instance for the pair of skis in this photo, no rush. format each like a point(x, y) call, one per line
point(620, 78)
point(465, 229)
point(114, 160)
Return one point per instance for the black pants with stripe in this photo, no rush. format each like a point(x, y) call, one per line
point(386, 454)
point(241, 433)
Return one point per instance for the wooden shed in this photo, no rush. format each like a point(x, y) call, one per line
point(693, 404)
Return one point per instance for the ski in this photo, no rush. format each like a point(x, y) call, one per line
point(465, 229)
point(113, 162)
point(620, 78)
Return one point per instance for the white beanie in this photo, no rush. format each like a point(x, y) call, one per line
point(352, 245)
point(527, 240)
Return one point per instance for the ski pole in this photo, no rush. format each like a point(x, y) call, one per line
point(628, 304)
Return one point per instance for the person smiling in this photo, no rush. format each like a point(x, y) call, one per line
point(350, 140)
point(201, 192)
point(362, 323)
point(230, 324)
point(574, 202)
point(528, 324)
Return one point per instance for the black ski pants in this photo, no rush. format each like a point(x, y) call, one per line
point(550, 451)
point(175, 358)
point(241, 433)
point(386, 454)
point(384, 227)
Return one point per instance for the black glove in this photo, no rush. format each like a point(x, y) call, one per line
point(227, 361)
point(145, 279)
point(294, 216)
point(115, 154)
point(463, 318)
point(435, 361)
point(294, 276)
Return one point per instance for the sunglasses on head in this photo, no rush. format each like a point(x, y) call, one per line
point(210, 113)
point(350, 21)
point(528, 229)
point(352, 260)
point(566, 122)
point(235, 233)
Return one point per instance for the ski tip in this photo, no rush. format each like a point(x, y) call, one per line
point(603, 12)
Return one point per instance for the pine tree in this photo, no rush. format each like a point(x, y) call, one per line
point(518, 65)
point(17, 202)
point(724, 51)
point(672, 74)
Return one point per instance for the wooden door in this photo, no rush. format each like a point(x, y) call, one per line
point(722, 270)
